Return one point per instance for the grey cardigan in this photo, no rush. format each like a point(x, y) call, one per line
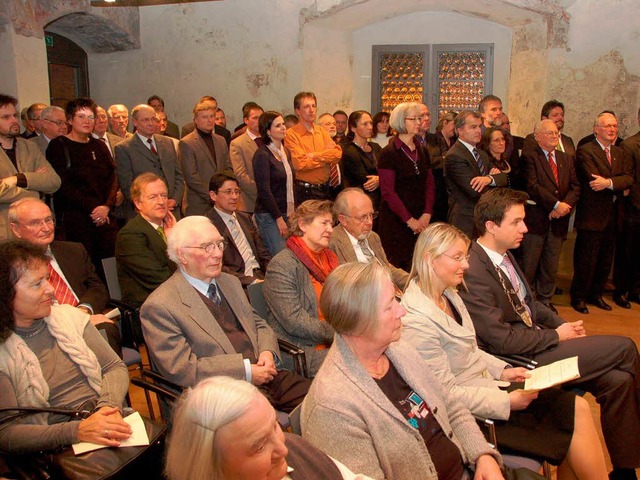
point(346, 415)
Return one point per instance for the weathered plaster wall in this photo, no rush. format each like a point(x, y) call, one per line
point(24, 68)
point(234, 50)
point(429, 28)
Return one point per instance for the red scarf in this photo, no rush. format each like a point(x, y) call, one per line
point(320, 265)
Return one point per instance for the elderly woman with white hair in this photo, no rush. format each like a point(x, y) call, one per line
point(226, 429)
point(374, 405)
point(407, 187)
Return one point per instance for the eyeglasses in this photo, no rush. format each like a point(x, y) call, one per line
point(414, 119)
point(609, 125)
point(85, 117)
point(551, 134)
point(365, 217)
point(36, 224)
point(59, 123)
point(459, 258)
point(211, 246)
point(231, 191)
point(120, 117)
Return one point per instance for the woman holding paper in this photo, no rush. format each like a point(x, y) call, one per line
point(51, 356)
point(552, 424)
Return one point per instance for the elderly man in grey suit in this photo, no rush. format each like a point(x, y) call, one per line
point(54, 124)
point(199, 322)
point(201, 154)
point(241, 153)
point(24, 171)
point(145, 151)
point(353, 240)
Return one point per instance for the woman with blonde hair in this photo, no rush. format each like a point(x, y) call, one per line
point(554, 425)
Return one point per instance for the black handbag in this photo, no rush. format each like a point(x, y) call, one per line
point(105, 463)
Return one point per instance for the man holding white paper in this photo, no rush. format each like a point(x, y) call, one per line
point(508, 320)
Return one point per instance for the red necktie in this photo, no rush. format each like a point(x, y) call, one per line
point(62, 292)
point(607, 152)
point(334, 175)
point(554, 166)
point(151, 147)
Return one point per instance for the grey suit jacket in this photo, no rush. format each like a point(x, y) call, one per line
point(241, 152)
point(348, 416)
point(186, 342)
point(452, 352)
point(29, 158)
point(133, 158)
point(198, 166)
point(293, 307)
point(343, 248)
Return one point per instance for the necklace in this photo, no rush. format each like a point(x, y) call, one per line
point(411, 156)
point(36, 331)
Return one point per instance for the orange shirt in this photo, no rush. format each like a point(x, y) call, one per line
point(318, 142)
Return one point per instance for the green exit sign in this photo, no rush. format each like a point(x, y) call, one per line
point(48, 40)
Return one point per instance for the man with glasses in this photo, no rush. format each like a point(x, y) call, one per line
point(245, 255)
point(199, 322)
point(24, 171)
point(468, 172)
point(353, 240)
point(604, 172)
point(201, 154)
point(552, 185)
point(54, 124)
point(33, 118)
point(71, 272)
point(146, 151)
point(141, 245)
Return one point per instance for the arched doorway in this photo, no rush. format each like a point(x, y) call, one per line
point(68, 70)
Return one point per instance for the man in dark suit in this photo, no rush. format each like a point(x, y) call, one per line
point(141, 246)
point(467, 171)
point(33, 117)
point(157, 103)
point(100, 131)
point(199, 323)
point(145, 151)
point(626, 265)
point(508, 320)
point(353, 240)
point(217, 129)
point(245, 256)
point(553, 110)
point(604, 172)
point(552, 185)
point(72, 273)
point(201, 154)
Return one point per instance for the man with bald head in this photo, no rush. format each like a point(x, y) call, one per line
point(551, 182)
point(199, 322)
point(146, 151)
point(119, 120)
point(604, 172)
point(353, 240)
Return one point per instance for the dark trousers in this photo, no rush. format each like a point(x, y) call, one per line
point(626, 265)
point(286, 391)
point(592, 259)
point(609, 370)
point(540, 259)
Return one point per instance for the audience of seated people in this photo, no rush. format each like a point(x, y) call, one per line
point(195, 331)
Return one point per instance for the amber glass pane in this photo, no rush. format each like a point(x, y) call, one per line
point(401, 79)
point(461, 77)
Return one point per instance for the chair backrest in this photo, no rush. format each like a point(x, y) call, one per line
point(256, 298)
point(294, 420)
point(111, 274)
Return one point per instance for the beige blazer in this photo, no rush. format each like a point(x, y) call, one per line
point(241, 153)
point(29, 158)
